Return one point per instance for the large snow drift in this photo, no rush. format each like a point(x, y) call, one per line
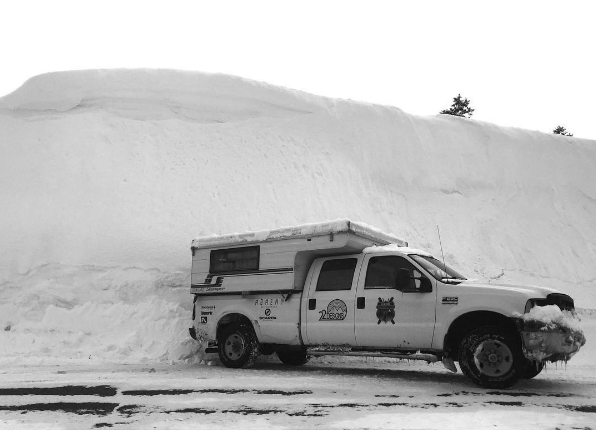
point(107, 176)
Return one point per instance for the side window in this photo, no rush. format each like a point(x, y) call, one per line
point(382, 273)
point(337, 275)
point(234, 260)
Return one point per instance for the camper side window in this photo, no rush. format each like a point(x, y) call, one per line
point(234, 260)
point(337, 275)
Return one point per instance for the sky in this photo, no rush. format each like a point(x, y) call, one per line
point(527, 64)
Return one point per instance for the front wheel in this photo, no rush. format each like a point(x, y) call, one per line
point(491, 358)
point(238, 346)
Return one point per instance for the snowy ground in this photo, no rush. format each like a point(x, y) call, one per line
point(326, 393)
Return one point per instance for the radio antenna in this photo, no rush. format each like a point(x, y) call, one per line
point(442, 255)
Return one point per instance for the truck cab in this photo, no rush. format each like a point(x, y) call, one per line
point(375, 299)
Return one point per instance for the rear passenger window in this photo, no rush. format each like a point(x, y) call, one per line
point(234, 260)
point(337, 275)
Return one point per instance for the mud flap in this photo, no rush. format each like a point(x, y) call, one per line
point(449, 364)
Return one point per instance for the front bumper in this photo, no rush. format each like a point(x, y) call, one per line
point(549, 344)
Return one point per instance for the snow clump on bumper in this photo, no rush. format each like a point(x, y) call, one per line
point(550, 334)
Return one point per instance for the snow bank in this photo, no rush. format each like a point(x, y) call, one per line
point(107, 175)
point(57, 313)
point(156, 94)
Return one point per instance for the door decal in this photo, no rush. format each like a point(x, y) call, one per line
point(336, 311)
point(386, 311)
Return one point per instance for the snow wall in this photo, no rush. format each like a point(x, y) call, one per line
point(106, 176)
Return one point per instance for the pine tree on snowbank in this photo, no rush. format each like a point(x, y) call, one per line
point(561, 130)
point(460, 107)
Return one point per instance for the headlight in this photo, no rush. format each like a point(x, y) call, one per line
point(563, 301)
point(534, 302)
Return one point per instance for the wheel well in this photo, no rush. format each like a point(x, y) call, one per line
point(470, 321)
point(230, 319)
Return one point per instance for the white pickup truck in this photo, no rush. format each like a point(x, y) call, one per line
point(344, 288)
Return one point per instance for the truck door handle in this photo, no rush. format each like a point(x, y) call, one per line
point(312, 304)
point(360, 302)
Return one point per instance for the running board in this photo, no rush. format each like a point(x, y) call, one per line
point(429, 358)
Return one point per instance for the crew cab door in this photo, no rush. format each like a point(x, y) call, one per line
point(393, 312)
point(330, 301)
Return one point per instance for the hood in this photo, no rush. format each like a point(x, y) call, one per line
point(532, 291)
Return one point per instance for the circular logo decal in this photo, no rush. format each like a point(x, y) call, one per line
point(336, 311)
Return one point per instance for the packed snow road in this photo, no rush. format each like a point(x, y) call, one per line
point(351, 394)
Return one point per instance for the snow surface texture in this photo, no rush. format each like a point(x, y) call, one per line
point(393, 247)
point(552, 317)
point(106, 176)
point(299, 231)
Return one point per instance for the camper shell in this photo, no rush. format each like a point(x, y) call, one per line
point(275, 260)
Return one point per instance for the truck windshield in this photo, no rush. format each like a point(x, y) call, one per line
point(439, 271)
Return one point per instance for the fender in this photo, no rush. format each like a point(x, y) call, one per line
point(230, 310)
point(446, 320)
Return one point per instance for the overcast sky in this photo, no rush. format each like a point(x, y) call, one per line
point(528, 64)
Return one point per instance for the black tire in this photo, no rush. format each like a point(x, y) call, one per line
point(293, 358)
point(238, 346)
point(491, 357)
point(533, 368)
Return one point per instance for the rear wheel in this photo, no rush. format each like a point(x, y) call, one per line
point(238, 346)
point(533, 369)
point(491, 358)
point(293, 358)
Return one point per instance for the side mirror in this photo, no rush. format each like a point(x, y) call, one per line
point(403, 278)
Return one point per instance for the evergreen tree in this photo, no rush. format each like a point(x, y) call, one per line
point(561, 130)
point(460, 107)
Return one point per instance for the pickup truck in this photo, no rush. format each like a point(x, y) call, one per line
point(345, 288)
